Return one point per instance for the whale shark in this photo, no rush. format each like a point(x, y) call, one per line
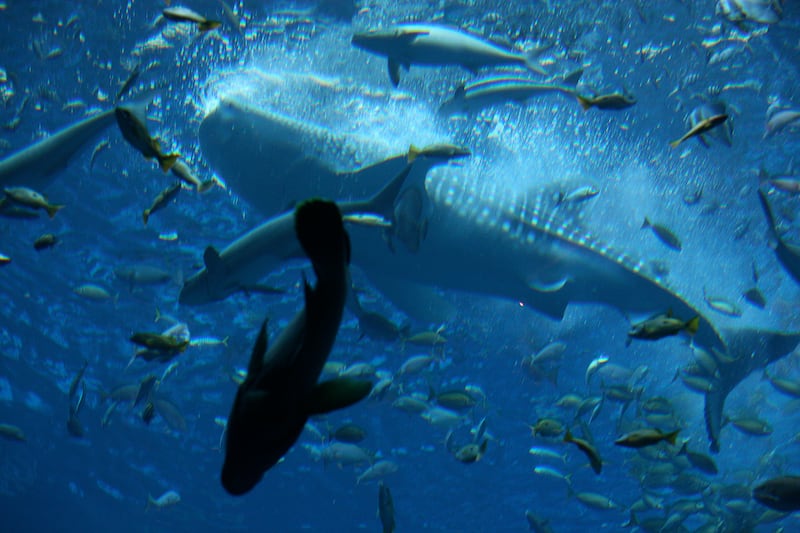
point(519, 245)
point(37, 165)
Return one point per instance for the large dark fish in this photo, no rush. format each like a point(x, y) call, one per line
point(780, 493)
point(281, 390)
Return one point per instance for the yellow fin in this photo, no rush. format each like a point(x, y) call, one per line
point(413, 153)
point(53, 209)
point(166, 161)
point(670, 437)
point(209, 25)
point(693, 325)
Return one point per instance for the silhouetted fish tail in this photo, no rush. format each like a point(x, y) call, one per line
point(320, 230)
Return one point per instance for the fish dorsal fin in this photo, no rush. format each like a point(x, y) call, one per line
point(259, 349)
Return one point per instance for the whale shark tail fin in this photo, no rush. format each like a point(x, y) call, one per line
point(750, 350)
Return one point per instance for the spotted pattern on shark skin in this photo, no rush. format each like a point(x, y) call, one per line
point(536, 219)
point(527, 223)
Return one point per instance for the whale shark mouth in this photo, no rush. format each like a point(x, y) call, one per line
point(541, 254)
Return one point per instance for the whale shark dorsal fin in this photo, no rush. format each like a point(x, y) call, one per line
point(259, 349)
point(213, 262)
point(383, 202)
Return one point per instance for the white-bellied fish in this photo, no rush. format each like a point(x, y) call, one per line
point(662, 325)
point(161, 201)
point(132, 122)
point(703, 126)
point(437, 45)
point(184, 14)
point(497, 89)
point(724, 133)
point(610, 101)
point(27, 197)
point(640, 438)
point(762, 11)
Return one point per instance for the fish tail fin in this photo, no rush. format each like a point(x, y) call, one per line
point(158, 315)
point(568, 436)
point(584, 102)
point(209, 25)
point(321, 233)
point(165, 162)
point(150, 503)
point(683, 450)
point(693, 325)
point(205, 186)
point(646, 223)
point(672, 436)
point(53, 209)
point(225, 341)
point(675, 143)
point(531, 61)
point(145, 216)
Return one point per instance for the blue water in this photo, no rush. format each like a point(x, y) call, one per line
point(56, 482)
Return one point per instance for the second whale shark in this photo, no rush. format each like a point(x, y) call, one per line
point(520, 245)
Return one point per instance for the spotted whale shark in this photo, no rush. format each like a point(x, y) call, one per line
point(519, 245)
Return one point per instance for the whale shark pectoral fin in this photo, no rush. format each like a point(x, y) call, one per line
point(336, 394)
point(548, 286)
point(552, 303)
point(259, 349)
point(394, 71)
point(419, 301)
